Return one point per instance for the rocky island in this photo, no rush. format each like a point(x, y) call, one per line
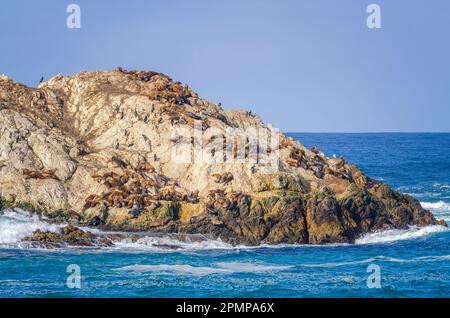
point(100, 149)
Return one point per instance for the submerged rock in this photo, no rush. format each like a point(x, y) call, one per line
point(100, 149)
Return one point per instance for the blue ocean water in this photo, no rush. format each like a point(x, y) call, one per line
point(412, 263)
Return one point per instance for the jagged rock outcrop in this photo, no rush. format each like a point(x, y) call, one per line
point(67, 236)
point(97, 149)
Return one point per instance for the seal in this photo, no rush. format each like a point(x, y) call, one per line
point(40, 174)
point(223, 178)
point(91, 201)
point(145, 167)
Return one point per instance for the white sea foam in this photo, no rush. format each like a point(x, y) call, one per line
point(433, 258)
point(218, 268)
point(399, 235)
point(440, 209)
point(441, 205)
point(174, 269)
point(17, 224)
point(337, 264)
point(166, 243)
point(237, 267)
point(382, 258)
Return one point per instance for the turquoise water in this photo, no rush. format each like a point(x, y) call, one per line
point(412, 263)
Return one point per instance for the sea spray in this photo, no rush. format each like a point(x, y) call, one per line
point(398, 235)
point(16, 224)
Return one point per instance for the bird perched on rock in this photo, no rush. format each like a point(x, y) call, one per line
point(134, 212)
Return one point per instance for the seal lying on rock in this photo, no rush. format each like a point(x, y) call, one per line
point(223, 177)
point(41, 174)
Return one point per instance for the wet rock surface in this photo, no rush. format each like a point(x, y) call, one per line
point(96, 149)
point(68, 236)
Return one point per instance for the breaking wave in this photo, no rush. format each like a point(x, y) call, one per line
point(440, 206)
point(17, 224)
point(440, 209)
point(218, 268)
point(390, 236)
point(168, 243)
point(237, 267)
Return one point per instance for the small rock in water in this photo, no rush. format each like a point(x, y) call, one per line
point(67, 236)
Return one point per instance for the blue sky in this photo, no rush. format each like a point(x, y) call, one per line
point(309, 65)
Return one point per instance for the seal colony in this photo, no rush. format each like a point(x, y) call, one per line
point(96, 149)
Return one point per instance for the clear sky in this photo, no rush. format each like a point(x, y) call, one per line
point(310, 65)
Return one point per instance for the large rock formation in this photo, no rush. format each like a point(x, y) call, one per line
point(97, 149)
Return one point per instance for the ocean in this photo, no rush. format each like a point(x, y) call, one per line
point(406, 263)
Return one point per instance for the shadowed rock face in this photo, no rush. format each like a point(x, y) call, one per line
point(97, 149)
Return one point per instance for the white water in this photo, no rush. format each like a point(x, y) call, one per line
point(390, 236)
point(17, 224)
point(438, 206)
point(440, 209)
point(219, 268)
point(381, 258)
point(157, 243)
